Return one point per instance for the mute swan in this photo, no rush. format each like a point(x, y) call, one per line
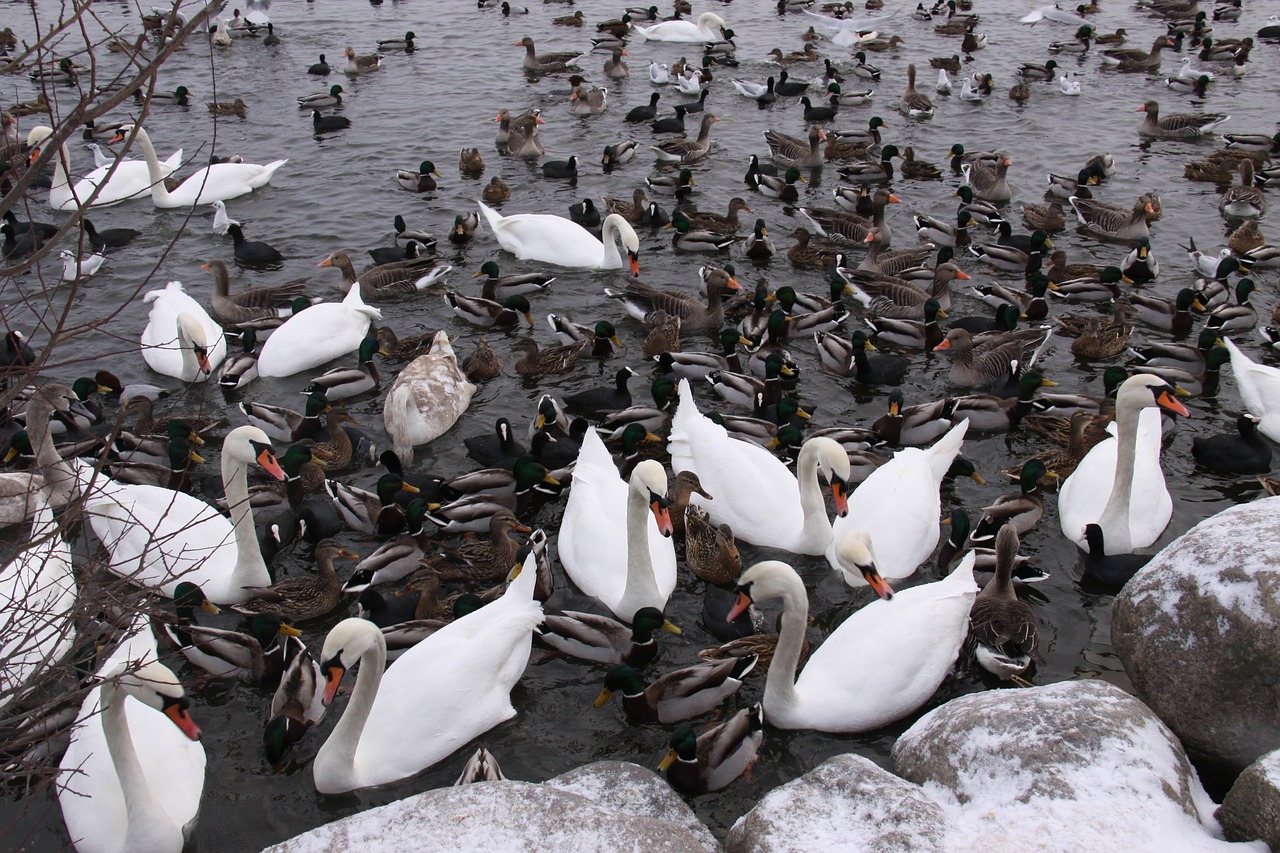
point(556, 240)
point(131, 179)
point(1124, 468)
point(625, 570)
point(755, 493)
point(898, 506)
point(317, 335)
point(1259, 386)
point(37, 595)
point(427, 398)
point(450, 688)
point(158, 538)
point(181, 339)
point(21, 492)
point(133, 774)
point(882, 663)
point(216, 182)
point(708, 28)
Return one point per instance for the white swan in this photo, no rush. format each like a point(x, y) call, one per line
point(607, 545)
point(133, 774)
point(131, 179)
point(708, 28)
point(181, 339)
point(882, 663)
point(898, 506)
point(427, 398)
point(37, 597)
point(1127, 469)
point(158, 538)
point(556, 240)
point(317, 335)
point(1259, 386)
point(53, 482)
point(216, 182)
point(450, 688)
point(755, 493)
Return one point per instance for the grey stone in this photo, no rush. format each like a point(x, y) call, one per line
point(1251, 808)
point(845, 803)
point(520, 816)
point(1196, 630)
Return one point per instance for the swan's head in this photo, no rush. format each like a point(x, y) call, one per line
point(57, 396)
point(36, 135)
point(1144, 391)
point(833, 465)
point(248, 444)
point(853, 553)
point(649, 477)
point(763, 581)
point(708, 19)
point(630, 241)
point(348, 640)
point(155, 685)
point(191, 333)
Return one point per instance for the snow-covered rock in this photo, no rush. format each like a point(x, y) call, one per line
point(1196, 630)
point(845, 803)
point(596, 807)
point(1251, 808)
point(1079, 765)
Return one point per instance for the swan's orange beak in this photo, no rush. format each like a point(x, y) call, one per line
point(202, 359)
point(662, 515)
point(332, 678)
point(1168, 401)
point(35, 155)
point(739, 606)
point(876, 581)
point(840, 493)
point(268, 461)
point(635, 263)
point(177, 711)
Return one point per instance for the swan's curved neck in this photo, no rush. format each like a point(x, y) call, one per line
point(143, 811)
point(641, 587)
point(58, 477)
point(159, 193)
point(336, 760)
point(609, 235)
point(251, 569)
point(816, 530)
point(60, 187)
point(1115, 516)
point(780, 684)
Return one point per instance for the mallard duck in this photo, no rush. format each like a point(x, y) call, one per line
point(1091, 288)
point(628, 210)
point(302, 598)
point(678, 695)
point(909, 426)
point(487, 312)
point(696, 240)
point(1012, 258)
point(678, 185)
point(918, 169)
point(696, 365)
point(685, 151)
point(1243, 200)
point(1104, 338)
point(498, 287)
point(228, 108)
point(640, 300)
point(496, 191)
point(535, 361)
point(482, 560)
point(331, 98)
point(257, 657)
point(601, 338)
point(783, 188)
point(712, 760)
point(241, 368)
point(912, 334)
point(1140, 265)
point(1003, 636)
point(1178, 125)
point(296, 706)
point(720, 224)
point(942, 233)
point(710, 550)
point(372, 512)
point(618, 153)
point(759, 246)
point(419, 181)
point(1062, 461)
point(1022, 510)
point(342, 382)
point(1246, 238)
point(789, 151)
point(601, 639)
point(470, 162)
point(1046, 217)
point(1170, 314)
point(913, 103)
point(1237, 316)
point(285, 424)
point(802, 254)
point(664, 334)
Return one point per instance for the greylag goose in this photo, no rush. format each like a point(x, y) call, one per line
point(682, 150)
point(1109, 220)
point(1178, 125)
point(789, 151)
point(915, 104)
point(257, 307)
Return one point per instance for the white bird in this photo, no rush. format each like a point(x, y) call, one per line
point(690, 83)
point(1205, 264)
point(659, 73)
point(221, 33)
point(181, 339)
point(204, 186)
point(847, 30)
point(74, 268)
point(1054, 13)
point(1068, 85)
point(131, 179)
point(709, 27)
point(221, 222)
point(749, 89)
point(100, 159)
point(944, 83)
point(1186, 72)
point(968, 93)
point(1259, 386)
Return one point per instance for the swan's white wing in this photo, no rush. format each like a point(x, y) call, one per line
point(898, 506)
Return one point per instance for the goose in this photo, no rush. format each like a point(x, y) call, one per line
point(758, 497)
point(1003, 635)
point(384, 281)
point(905, 648)
point(180, 338)
point(317, 335)
point(131, 178)
point(1135, 59)
point(686, 151)
point(590, 539)
point(711, 761)
point(1127, 466)
point(560, 241)
point(709, 28)
point(897, 507)
point(427, 398)
point(448, 689)
point(789, 151)
point(1243, 200)
point(1178, 125)
point(1111, 221)
point(912, 103)
point(361, 64)
point(642, 301)
point(254, 307)
point(216, 182)
point(990, 183)
point(158, 538)
point(133, 774)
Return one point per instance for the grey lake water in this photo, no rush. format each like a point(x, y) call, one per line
point(338, 191)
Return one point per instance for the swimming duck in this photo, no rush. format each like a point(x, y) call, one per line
point(302, 598)
point(678, 695)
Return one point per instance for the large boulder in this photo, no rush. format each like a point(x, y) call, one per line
point(845, 803)
point(1251, 808)
point(1196, 630)
point(592, 808)
point(1079, 765)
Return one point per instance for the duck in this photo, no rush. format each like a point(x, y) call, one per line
point(719, 223)
point(498, 286)
point(712, 760)
point(1240, 453)
point(341, 383)
point(131, 178)
point(224, 653)
point(1177, 126)
point(759, 245)
point(685, 151)
point(420, 181)
point(696, 240)
point(228, 108)
point(641, 301)
point(560, 241)
point(1140, 265)
point(1012, 258)
point(1173, 315)
point(678, 185)
point(317, 335)
point(599, 639)
point(434, 682)
point(1021, 510)
point(601, 338)
point(907, 648)
point(710, 550)
point(181, 339)
point(618, 153)
point(782, 188)
point(488, 312)
point(303, 598)
point(913, 103)
point(140, 526)
point(296, 706)
point(384, 281)
point(426, 399)
point(496, 191)
point(678, 695)
point(778, 510)
point(642, 576)
point(1117, 468)
point(242, 368)
point(708, 28)
point(215, 182)
point(1003, 634)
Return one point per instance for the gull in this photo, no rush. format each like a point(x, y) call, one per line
point(73, 269)
point(1069, 85)
point(659, 74)
point(968, 93)
point(944, 83)
point(1188, 73)
point(221, 222)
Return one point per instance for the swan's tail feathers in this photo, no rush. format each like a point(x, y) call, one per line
point(945, 449)
point(1035, 356)
point(492, 216)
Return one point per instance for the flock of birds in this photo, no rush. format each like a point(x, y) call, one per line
point(455, 659)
